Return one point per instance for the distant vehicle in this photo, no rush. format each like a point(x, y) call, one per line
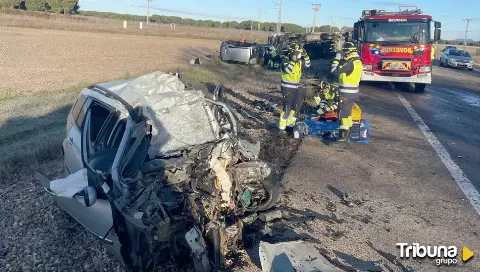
point(242, 52)
point(317, 45)
point(453, 57)
point(448, 47)
point(396, 46)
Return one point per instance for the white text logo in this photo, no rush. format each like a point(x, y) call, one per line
point(397, 20)
point(442, 254)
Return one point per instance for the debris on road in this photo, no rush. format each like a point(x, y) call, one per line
point(270, 216)
point(195, 61)
point(264, 106)
point(293, 256)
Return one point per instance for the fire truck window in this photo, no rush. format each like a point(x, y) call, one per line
point(404, 32)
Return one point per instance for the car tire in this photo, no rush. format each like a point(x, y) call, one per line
point(271, 185)
point(470, 69)
point(222, 51)
point(440, 63)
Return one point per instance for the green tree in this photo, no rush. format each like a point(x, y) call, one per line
point(62, 6)
point(36, 5)
point(10, 3)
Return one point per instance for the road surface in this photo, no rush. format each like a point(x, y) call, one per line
point(403, 191)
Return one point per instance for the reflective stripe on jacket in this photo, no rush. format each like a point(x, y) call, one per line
point(291, 73)
point(350, 74)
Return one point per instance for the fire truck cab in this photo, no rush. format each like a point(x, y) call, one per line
point(396, 46)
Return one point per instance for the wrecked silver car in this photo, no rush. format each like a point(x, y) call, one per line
point(242, 52)
point(157, 172)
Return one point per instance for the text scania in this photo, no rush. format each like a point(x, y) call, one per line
point(443, 255)
point(397, 20)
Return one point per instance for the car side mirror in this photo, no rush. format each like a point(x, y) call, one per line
point(89, 196)
point(438, 25)
point(437, 34)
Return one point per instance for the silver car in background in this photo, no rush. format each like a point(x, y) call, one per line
point(453, 57)
point(242, 52)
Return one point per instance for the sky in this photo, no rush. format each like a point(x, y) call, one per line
point(344, 12)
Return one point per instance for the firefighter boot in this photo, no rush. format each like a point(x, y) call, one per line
point(344, 135)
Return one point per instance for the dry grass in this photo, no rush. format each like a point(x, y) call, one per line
point(33, 61)
point(40, 20)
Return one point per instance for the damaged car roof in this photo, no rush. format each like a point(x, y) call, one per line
point(179, 117)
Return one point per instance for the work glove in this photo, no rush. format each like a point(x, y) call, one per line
point(318, 100)
point(304, 53)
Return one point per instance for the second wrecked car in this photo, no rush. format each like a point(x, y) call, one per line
point(157, 171)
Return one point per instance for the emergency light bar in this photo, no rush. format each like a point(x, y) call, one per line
point(373, 12)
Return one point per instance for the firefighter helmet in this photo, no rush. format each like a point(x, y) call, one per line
point(349, 47)
point(324, 85)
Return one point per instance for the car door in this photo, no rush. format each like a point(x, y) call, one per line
point(97, 219)
point(72, 143)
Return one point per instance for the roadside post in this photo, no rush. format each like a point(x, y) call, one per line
point(124, 24)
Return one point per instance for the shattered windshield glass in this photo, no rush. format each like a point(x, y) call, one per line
point(403, 32)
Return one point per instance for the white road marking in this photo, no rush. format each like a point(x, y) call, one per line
point(467, 187)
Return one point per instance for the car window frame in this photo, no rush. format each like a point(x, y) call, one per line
point(75, 115)
point(108, 107)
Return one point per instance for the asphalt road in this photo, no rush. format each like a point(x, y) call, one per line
point(402, 190)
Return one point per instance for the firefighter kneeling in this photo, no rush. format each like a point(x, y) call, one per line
point(327, 101)
point(349, 73)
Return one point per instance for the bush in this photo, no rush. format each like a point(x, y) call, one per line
point(10, 3)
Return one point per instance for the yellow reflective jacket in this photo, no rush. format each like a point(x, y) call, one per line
point(292, 72)
point(350, 74)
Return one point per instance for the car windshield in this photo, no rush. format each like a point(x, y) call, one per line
point(459, 53)
point(397, 32)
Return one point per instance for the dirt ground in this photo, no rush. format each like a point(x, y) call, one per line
point(34, 60)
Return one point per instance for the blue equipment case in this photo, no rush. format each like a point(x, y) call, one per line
point(329, 130)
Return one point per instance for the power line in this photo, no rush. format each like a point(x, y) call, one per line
point(316, 7)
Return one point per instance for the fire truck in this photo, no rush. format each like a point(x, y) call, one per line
point(397, 46)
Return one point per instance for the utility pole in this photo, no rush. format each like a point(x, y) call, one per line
point(316, 7)
point(259, 15)
point(148, 11)
point(466, 29)
point(331, 24)
point(279, 21)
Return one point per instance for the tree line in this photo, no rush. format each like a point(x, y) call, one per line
point(72, 7)
point(460, 42)
point(57, 6)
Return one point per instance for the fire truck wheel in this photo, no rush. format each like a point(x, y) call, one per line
point(419, 88)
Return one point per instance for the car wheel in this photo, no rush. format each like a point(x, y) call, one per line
point(441, 63)
point(470, 69)
point(271, 183)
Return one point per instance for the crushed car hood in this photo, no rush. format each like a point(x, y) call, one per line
point(179, 117)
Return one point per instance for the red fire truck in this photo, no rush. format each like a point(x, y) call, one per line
point(396, 46)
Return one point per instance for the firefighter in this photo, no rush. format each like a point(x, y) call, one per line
point(327, 99)
point(349, 73)
point(291, 74)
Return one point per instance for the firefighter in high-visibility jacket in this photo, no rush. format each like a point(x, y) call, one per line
point(291, 74)
point(349, 72)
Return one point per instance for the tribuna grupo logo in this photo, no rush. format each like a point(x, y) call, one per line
point(443, 255)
